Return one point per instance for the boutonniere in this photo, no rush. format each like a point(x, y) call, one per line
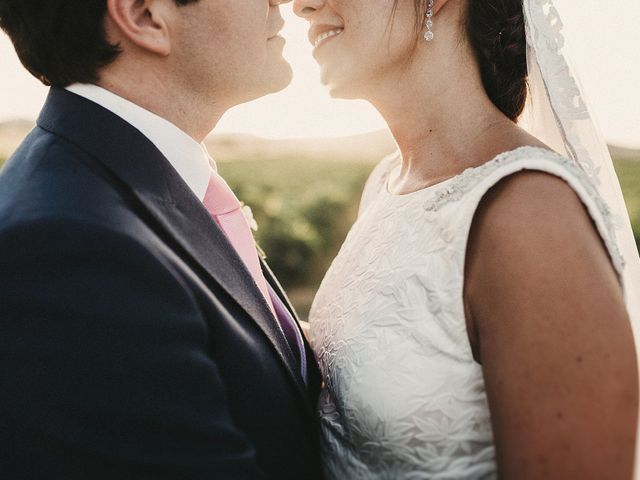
point(248, 216)
point(253, 225)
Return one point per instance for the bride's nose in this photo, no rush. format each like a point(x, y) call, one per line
point(306, 8)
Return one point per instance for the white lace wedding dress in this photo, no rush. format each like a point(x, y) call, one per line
point(403, 397)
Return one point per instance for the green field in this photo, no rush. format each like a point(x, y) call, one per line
point(629, 174)
point(304, 208)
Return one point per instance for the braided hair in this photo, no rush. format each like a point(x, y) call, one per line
point(497, 36)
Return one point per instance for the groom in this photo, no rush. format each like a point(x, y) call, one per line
point(140, 335)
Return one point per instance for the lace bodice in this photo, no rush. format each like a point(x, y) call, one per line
point(403, 396)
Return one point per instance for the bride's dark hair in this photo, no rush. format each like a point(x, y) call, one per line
point(496, 33)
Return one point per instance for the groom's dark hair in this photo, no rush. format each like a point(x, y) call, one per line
point(60, 41)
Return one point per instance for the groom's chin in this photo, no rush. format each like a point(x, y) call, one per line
point(272, 81)
point(283, 76)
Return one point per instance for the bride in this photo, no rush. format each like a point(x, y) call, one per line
point(477, 321)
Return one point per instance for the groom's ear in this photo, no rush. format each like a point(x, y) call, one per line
point(143, 23)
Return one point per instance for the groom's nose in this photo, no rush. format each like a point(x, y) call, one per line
point(305, 8)
point(275, 3)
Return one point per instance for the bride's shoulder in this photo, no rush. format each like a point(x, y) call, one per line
point(475, 182)
point(529, 158)
point(552, 170)
point(533, 189)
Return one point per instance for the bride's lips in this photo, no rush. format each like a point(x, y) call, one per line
point(319, 34)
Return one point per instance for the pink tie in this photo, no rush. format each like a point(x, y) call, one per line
point(226, 210)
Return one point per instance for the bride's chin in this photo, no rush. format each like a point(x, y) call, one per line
point(341, 88)
point(343, 93)
point(345, 90)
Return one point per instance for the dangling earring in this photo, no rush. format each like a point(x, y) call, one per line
point(428, 22)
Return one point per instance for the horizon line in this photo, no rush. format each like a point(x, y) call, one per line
point(610, 142)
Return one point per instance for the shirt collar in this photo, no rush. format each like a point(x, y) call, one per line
point(188, 157)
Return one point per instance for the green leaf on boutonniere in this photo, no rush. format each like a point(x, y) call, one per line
point(261, 252)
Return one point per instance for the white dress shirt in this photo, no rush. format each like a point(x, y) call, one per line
point(188, 157)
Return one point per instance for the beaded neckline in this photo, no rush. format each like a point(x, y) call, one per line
point(469, 172)
point(452, 189)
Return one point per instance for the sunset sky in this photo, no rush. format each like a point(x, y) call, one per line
point(603, 38)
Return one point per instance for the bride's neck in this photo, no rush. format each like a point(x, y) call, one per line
point(438, 112)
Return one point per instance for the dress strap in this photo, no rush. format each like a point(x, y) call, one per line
point(471, 187)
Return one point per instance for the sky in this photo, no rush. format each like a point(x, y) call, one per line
point(603, 42)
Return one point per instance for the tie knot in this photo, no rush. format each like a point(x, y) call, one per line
point(219, 199)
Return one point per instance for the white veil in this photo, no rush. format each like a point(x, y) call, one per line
point(558, 114)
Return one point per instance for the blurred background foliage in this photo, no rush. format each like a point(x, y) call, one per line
point(629, 175)
point(304, 206)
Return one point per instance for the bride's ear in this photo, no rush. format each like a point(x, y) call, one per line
point(144, 23)
point(438, 4)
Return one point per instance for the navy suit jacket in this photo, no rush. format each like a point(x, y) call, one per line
point(133, 342)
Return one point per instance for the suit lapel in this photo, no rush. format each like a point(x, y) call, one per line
point(313, 372)
point(273, 281)
point(202, 239)
point(129, 156)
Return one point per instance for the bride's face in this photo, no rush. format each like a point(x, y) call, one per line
point(359, 44)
